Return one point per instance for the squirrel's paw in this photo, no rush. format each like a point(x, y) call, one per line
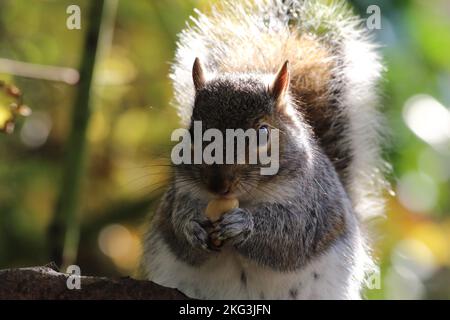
point(197, 235)
point(233, 227)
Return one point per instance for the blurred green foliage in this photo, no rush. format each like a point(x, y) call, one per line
point(129, 136)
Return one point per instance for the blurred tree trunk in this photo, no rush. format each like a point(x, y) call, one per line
point(64, 228)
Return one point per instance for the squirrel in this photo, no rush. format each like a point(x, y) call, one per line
point(310, 69)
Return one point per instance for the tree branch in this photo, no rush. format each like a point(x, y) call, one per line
point(37, 71)
point(47, 283)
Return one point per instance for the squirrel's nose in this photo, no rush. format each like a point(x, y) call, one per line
point(224, 191)
point(221, 188)
point(219, 179)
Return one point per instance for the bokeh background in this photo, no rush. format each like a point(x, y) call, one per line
point(127, 139)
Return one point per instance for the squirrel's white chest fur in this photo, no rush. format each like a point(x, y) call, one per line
point(336, 274)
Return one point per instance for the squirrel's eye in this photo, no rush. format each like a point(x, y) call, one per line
point(264, 129)
point(263, 135)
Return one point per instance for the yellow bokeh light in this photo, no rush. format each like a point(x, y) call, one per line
point(121, 245)
point(5, 115)
point(434, 237)
point(98, 128)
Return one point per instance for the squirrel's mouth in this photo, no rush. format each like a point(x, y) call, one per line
point(221, 189)
point(226, 193)
point(227, 196)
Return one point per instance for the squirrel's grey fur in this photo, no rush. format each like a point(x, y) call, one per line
point(297, 234)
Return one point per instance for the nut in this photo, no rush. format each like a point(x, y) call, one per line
point(216, 208)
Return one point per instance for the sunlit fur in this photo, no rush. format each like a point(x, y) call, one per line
point(319, 40)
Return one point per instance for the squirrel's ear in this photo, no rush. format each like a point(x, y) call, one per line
point(280, 84)
point(198, 75)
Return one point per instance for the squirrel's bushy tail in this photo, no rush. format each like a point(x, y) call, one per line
point(334, 73)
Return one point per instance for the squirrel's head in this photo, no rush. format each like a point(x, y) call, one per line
point(230, 102)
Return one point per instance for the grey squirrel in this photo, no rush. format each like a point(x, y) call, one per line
point(298, 234)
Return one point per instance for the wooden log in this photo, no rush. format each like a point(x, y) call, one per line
point(46, 282)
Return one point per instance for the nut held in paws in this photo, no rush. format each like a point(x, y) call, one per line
point(217, 207)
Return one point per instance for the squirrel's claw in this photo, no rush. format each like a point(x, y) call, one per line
point(233, 227)
point(197, 235)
